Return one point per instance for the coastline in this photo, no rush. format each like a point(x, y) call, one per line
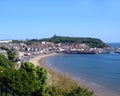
point(40, 61)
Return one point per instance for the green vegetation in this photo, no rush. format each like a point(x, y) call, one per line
point(17, 41)
point(4, 62)
point(65, 86)
point(32, 81)
point(92, 42)
point(28, 80)
point(36, 81)
point(11, 54)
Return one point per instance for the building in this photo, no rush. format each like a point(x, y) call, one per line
point(5, 41)
point(3, 52)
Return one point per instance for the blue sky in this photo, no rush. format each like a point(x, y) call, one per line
point(26, 19)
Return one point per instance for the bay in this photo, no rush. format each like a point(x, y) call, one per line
point(99, 71)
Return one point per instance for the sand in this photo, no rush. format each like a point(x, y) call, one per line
point(39, 61)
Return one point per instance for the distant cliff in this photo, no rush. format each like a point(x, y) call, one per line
point(92, 42)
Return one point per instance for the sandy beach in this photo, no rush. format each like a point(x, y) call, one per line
point(39, 61)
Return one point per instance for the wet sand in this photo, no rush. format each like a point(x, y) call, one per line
point(39, 60)
point(98, 90)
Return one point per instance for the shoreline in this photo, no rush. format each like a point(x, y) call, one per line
point(39, 60)
point(98, 90)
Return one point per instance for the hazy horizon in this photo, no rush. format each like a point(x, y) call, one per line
point(28, 19)
point(65, 36)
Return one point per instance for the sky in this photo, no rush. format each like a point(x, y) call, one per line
point(30, 19)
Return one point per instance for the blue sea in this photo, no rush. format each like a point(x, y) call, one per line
point(101, 72)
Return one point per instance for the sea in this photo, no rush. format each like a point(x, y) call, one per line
point(100, 72)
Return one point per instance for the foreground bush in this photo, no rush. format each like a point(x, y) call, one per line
point(4, 62)
point(31, 81)
point(78, 91)
point(28, 80)
point(62, 85)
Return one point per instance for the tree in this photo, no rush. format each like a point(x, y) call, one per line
point(91, 42)
point(5, 62)
point(28, 80)
point(11, 54)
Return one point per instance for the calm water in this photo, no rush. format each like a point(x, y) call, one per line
point(115, 45)
point(100, 70)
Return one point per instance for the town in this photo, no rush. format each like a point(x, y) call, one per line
point(24, 52)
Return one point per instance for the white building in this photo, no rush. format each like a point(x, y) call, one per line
point(5, 41)
point(3, 52)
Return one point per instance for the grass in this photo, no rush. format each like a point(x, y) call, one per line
point(63, 85)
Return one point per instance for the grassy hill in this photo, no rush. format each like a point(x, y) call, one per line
point(92, 42)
